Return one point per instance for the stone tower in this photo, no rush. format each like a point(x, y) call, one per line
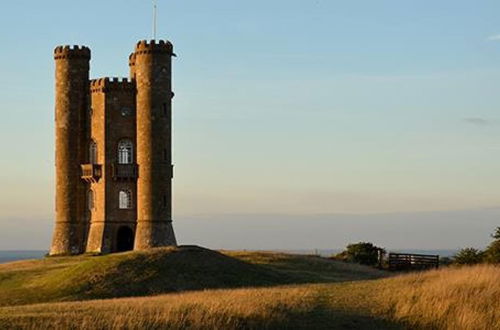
point(71, 106)
point(113, 153)
point(152, 71)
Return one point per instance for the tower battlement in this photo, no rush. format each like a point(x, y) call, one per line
point(108, 84)
point(153, 46)
point(131, 59)
point(62, 52)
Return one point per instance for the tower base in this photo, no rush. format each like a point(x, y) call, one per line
point(151, 234)
point(67, 239)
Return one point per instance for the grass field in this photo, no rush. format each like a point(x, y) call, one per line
point(233, 290)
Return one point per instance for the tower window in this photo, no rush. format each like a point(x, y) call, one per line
point(125, 199)
point(125, 152)
point(90, 199)
point(93, 152)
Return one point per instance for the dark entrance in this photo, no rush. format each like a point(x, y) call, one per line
point(124, 239)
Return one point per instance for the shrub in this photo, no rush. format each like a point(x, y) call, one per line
point(468, 256)
point(492, 253)
point(363, 253)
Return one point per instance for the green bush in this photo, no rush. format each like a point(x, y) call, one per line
point(362, 253)
point(492, 253)
point(468, 256)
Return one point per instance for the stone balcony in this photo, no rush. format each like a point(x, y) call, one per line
point(91, 172)
point(124, 171)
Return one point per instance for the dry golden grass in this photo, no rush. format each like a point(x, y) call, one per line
point(463, 298)
point(453, 298)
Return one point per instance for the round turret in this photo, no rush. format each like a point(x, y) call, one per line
point(152, 71)
point(71, 108)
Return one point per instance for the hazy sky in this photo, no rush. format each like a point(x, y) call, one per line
point(293, 119)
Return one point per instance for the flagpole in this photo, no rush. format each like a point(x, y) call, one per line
point(154, 19)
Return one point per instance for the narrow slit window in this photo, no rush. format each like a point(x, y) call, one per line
point(93, 152)
point(90, 199)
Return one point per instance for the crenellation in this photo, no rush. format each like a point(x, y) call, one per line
point(75, 51)
point(109, 84)
point(148, 47)
point(131, 59)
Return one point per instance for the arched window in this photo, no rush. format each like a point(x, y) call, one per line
point(125, 199)
point(93, 152)
point(125, 152)
point(90, 199)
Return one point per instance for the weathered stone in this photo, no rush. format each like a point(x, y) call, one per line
point(92, 118)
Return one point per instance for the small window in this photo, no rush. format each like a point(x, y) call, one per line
point(93, 152)
point(125, 152)
point(125, 199)
point(165, 201)
point(90, 199)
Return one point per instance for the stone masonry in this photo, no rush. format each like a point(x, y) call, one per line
point(113, 153)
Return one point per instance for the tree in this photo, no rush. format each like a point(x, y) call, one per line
point(363, 253)
point(492, 253)
point(496, 234)
point(468, 256)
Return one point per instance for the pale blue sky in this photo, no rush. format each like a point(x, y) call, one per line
point(284, 109)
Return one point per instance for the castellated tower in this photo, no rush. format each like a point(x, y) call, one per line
point(113, 153)
point(71, 106)
point(154, 93)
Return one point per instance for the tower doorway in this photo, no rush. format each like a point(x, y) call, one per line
point(124, 239)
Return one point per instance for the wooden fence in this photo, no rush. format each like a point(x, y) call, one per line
point(407, 261)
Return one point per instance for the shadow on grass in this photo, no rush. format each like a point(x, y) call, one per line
point(327, 318)
point(167, 270)
point(192, 268)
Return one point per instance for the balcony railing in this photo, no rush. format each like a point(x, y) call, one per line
point(91, 172)
point(124, 171)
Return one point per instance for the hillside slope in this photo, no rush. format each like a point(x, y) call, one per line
point(463, 298)
point(162, 271)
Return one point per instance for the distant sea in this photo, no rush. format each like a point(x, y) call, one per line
point(7, 256)
point(330, 252)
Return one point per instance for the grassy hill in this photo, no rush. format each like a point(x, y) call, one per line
point(230, 290)
point(163, 271)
